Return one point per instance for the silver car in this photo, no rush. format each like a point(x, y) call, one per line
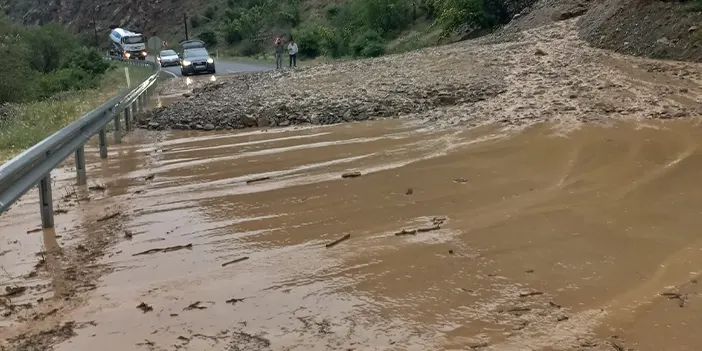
point(168, 58)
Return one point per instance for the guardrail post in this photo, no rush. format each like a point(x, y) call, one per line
point(46, 202)
point(142, 104)
point(127, 118)
point(136, 107)
point(103, 144)
point(118, 129)
point(80, 166)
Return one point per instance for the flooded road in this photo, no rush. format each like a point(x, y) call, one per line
point(489, 239)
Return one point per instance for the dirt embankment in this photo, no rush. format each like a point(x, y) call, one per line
point(542, 74)
point(657, 29)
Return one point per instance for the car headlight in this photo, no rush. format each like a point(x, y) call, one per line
point(210, 60)
point(186, 63)
point(127, 55)
point(143, 53)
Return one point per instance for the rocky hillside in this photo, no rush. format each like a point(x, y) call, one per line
point(653, 28)
point(158, 17)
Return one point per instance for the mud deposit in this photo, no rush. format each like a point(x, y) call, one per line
point(489, 239)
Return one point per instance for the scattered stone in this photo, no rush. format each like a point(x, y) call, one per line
point(530, 293)
point(144, 307)
point(351, 174)
point(256, 180)
point(409, 191)
point(406, 232)
point(461, 180)
point(34, 230)
point(150, 177)
point(338, 241)
point(684, 90)
point(570, 13)
point(234, 301)
point(553, 304)
point(235, 261)
point(12, 291)
point(529, 271)
point(477, 345)
point(194, 306)
point(450, 252)
point(562, 318)
point(165, 249)
point(540, 52)
point(128, 234)
point(438, 220)
point(617, 345)
point(209, 127)
point(428, 229)
point(110, 216)
point(693, 28)
point(97, 187)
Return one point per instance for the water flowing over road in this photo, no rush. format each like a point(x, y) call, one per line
point(492, 238)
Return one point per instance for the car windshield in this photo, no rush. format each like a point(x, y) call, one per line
point(195, 53)
point(135, 39)
point(168, 53)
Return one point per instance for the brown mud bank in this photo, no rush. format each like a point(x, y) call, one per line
point(489, 239)
point(546, 74)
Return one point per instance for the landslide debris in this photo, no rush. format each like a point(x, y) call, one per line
point(546, 74)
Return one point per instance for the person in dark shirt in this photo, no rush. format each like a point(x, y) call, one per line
point(279, 51)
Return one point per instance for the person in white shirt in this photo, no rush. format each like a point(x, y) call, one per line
point(292, 51)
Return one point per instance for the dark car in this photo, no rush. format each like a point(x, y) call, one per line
point(168, 58)
point(197, 61)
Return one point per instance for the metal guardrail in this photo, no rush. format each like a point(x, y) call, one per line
point(34, 166)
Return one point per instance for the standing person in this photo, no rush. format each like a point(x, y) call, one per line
point(292, 51)
point(279, 49)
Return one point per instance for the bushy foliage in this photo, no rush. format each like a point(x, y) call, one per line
point(209, 38)
point(45, 60)
point(359, 28)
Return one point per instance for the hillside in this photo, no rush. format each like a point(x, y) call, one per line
point(653, 28)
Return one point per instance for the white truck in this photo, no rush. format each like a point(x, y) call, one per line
point(128, 45)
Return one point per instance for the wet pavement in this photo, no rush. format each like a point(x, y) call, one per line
point(489, 239)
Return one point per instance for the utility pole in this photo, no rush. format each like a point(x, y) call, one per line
point(185, 22)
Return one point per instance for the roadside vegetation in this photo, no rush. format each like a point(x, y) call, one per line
point(352, 28)
point(50, 80)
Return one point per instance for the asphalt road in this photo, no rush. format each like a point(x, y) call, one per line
point(225, 67)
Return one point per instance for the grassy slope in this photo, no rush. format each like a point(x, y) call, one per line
point(30, 123)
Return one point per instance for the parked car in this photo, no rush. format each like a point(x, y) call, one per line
point(195, 58)
point(168, 58)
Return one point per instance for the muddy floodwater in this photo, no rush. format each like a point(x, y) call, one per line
point(489, 239)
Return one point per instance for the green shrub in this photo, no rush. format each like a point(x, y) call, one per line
point(249, 47)
point(368, 44)
point(316, 40)
point(332, 11)
point(209, 38)
point(17, 77)
point(210, 13)
point(382, 16)
point(195, 21)
point(48, 46)
point(232, 33)
point(88, 60)
point(310, 41)
point(64, 79)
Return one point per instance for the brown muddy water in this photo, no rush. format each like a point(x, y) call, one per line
point(532, 239)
